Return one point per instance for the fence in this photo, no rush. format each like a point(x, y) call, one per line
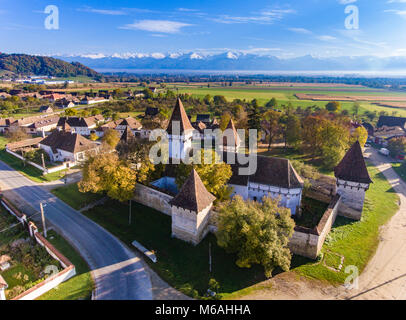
point(51, 282)
point(46, 170)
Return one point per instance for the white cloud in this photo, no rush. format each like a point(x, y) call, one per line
point(266, 16)
point(300, 30)
point(401, 13)
point(346, 1)
point(104, 11)
point(326, 38)
point(187, 10)
point(160, 26)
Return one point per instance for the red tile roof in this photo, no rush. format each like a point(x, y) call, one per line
point(179, 114)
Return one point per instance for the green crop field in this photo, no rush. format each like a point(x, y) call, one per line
point(286, 95)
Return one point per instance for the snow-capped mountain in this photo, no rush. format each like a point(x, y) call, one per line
point(232, 61)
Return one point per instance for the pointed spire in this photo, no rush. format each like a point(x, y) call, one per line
point(193, 195)
point(179, 114)
point(235, 138)
point(352, 167)
point(127, 135)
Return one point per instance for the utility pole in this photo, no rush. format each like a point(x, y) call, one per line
point(43, 220)
point(43, 161)
point(210, 257)
point(129, 216)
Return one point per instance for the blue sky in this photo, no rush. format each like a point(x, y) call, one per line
point(282, 28)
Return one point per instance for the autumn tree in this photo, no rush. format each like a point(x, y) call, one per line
point(106, 173)
point(213, 172)
point(335, 140)
point(224, 120)
point(359, 134)
point(258, 233)
point(111, 138)
point(17, 135)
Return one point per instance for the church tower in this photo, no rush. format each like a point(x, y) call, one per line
point(180, 132)
point(231, 140)
point(353, 181)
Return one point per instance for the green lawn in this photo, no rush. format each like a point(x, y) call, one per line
point(71, 195)
point(29, 171)
point(79, 287)
point(400, 170)
point(182, 265)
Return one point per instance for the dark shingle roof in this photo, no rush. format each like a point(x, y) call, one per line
point(352, 167)
point(276, 172)
point(151, 111)
point(179, 114)
point(203, 118)
point(391, 121)
point(77, 121)
point(193, 195)
point(127, 135)
point(70, 142)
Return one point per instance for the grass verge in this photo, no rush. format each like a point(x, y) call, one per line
point(79, 287)
point(71, 195)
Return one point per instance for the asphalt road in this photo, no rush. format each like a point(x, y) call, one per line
point(118, 273)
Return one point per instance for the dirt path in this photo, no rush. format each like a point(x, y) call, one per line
point(384, 278)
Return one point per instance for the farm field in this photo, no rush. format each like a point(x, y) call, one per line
point(287, 94)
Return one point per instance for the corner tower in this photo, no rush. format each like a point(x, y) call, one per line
point(353, 181)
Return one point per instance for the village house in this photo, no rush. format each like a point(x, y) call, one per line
point(3, 287)
point(46, 109)
point(43, 125)
point(129, 122)
point(88, 100)
point(65, 146)
point(82, 126)
point(5, 262)
point(5, 124)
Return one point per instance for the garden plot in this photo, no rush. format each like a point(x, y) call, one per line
point(25, 261)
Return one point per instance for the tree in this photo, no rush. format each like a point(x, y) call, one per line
point(293, 130)
point(272, 104)
point(93, 136)
point(219, 100)
point(397, 147)
point(214, 174)
point(360, 134)
point(355, 109)
point(71, 112)
point(258, 233)
point(111, 138)
point(333, 106)
point(254, 116)
point(148, 94)
point(17, 135)
point(225, 120)
point(335, 140)
point(107, 173)
point(272, 125)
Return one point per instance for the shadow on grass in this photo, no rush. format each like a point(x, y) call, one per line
point(182, 265)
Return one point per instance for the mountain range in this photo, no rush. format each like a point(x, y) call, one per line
point(231, 61)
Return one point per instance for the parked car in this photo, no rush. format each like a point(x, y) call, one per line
point(384, 152)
